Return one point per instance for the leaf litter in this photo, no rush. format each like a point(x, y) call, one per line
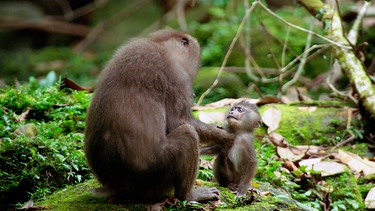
point(314, 158)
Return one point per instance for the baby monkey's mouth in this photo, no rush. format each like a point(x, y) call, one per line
point(231, 117)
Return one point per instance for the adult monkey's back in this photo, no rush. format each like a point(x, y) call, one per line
point(141, 140)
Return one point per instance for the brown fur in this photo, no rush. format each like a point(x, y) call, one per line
point(141, 140)
point(236, 166)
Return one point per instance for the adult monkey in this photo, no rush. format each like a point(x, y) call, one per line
point(141, 140)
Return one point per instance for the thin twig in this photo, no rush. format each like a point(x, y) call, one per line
point(283, 54)
point(282, 69)
point(45, 24)
point(286, 43)
point(180, 11)
point(302, 63)
point(227, 54)
point(344, 142)
point(247, 44)
point(258, 69)
point(256, 88)
point(88, 8)
point(66, 9)
point(248, 58)
point(353, 33)
point(94, 33)
point(300, 28)
point(171, 14)
point(126, 12)
point(298, 58)
point(101, 26)
point(333, 88)
point(286, 72)
point(267, 39)
point(193, 3)
point(350, 114)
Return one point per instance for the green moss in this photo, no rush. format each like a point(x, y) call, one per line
point(36, 166)
point(80, 197)
point(346, 191)
point(303, 125)
point(360, 149)
point(365, 184)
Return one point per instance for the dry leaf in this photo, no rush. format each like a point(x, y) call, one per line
point(157, 206)
point(356, 163)
point(285, 100)
point(310, 162)
point(207, 164)
point(222, 103)
point(295, 94)
point(309, 109)
point(23, 116)
point(211, 117)
point(277, 140)
point(266, 193)
point(327, 188)
point(287, 154)
point(28, 205)
point(310, 150)
point(290, 165)
point(272, 117)
point(370, 199)
point(69, 83)
point(302, 94)
point(227, 102)
point(268, 100)
point(327, 168)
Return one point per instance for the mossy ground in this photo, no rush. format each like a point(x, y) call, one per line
point(305, 125)
point(299, 125)
point(80, 197)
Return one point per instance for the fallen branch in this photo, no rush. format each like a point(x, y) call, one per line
point(47, 25)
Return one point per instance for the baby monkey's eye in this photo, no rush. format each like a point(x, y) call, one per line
point(241, 109)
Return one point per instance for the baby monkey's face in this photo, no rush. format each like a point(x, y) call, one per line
point(243, 117)
point(235, 113)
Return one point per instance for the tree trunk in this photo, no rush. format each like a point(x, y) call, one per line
point(343, 52)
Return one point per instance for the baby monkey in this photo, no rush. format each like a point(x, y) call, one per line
point(235, 166)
